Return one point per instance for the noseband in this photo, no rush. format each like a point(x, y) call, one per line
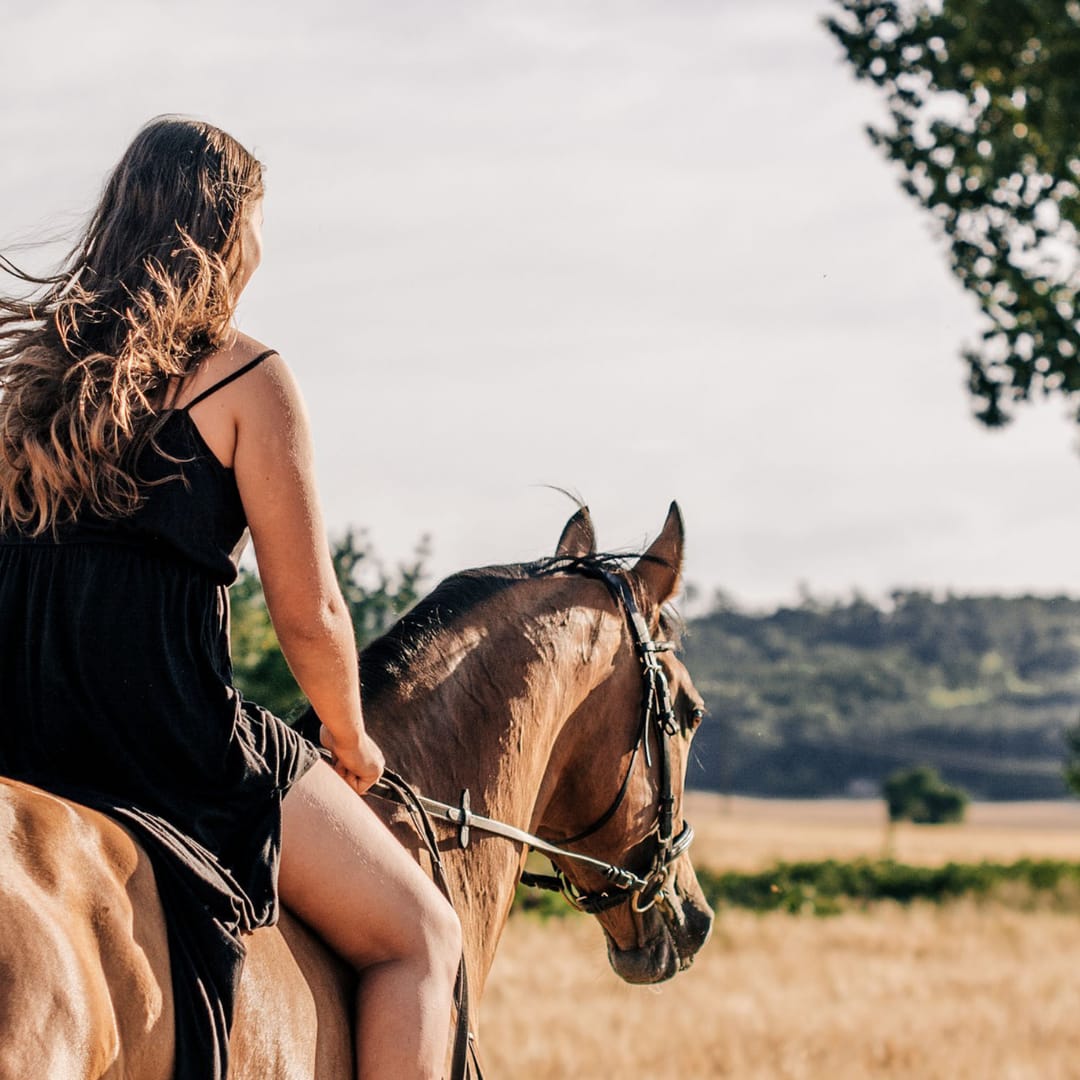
point(657, 713)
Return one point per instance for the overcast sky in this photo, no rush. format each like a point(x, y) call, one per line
point(639, 249)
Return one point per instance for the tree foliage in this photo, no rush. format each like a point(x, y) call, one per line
point(375, 595)
point(1072, 758)
point(920, 795)
point(983, 99)
point(831, 886)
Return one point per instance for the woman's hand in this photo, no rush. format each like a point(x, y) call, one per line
point(359, 763)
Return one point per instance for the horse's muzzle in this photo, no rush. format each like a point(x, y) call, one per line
point(675, 929)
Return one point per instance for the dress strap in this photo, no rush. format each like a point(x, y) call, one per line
point(243, 370)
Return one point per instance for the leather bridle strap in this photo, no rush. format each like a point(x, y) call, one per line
point(656, 705)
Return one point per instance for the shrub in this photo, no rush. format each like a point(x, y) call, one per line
point(921, 796)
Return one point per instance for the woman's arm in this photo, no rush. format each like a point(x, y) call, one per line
point(273, 464)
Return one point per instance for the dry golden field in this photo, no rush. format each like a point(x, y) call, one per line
point(962, 991)
point(748, 834)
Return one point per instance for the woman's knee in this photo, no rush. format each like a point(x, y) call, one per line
point(349, 878)
point(446, 936)
point(433, 936)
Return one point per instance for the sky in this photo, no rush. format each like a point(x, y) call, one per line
point(641, 250)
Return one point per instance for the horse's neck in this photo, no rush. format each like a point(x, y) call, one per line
point(487, 723)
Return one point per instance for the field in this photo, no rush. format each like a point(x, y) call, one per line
point(961, 991)
point(749, 834)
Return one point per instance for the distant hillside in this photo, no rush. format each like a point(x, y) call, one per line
point(828, 699)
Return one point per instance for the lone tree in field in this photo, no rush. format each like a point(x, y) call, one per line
point(921, 796)
point(1072, 758)
point(984, 108)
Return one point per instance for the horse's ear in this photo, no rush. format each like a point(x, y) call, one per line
point(660, 567)
point(578, 538)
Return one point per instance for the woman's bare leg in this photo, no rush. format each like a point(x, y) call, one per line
point(345, 874)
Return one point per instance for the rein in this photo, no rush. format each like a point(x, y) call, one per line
point(465, 820)
point(463, 1059)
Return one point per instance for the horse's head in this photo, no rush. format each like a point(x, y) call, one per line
point(526, 685)
point(615, 783)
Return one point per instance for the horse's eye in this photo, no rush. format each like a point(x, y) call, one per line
point(696, 716)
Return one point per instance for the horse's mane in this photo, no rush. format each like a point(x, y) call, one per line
point(389, 658)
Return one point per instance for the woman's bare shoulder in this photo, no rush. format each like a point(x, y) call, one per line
point(220, 364)
point(247, 346)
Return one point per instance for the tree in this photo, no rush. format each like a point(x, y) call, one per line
point(1072, 758)
point(376, 598)
point(983, 100)
point(921, 796)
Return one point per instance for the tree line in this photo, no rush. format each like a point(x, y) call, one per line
point(832, 698)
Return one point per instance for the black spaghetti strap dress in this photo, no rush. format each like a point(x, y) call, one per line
point(116, 691)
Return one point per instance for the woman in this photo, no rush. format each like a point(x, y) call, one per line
point(139, 435)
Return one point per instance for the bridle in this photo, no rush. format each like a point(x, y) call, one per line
point(657, 714)
point(623, 884)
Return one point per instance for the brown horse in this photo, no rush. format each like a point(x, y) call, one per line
point(520, 684)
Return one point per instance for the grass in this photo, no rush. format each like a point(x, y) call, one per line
point(954, 992)
point(750, 834)
point(962, 990)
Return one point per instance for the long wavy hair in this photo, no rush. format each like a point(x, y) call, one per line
point(86, 357)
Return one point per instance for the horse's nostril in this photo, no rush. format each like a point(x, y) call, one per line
point(697, 927)
point(689, 920)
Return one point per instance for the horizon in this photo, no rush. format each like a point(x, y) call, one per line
point(839, 600)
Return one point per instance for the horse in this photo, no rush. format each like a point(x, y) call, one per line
point(521, 685)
